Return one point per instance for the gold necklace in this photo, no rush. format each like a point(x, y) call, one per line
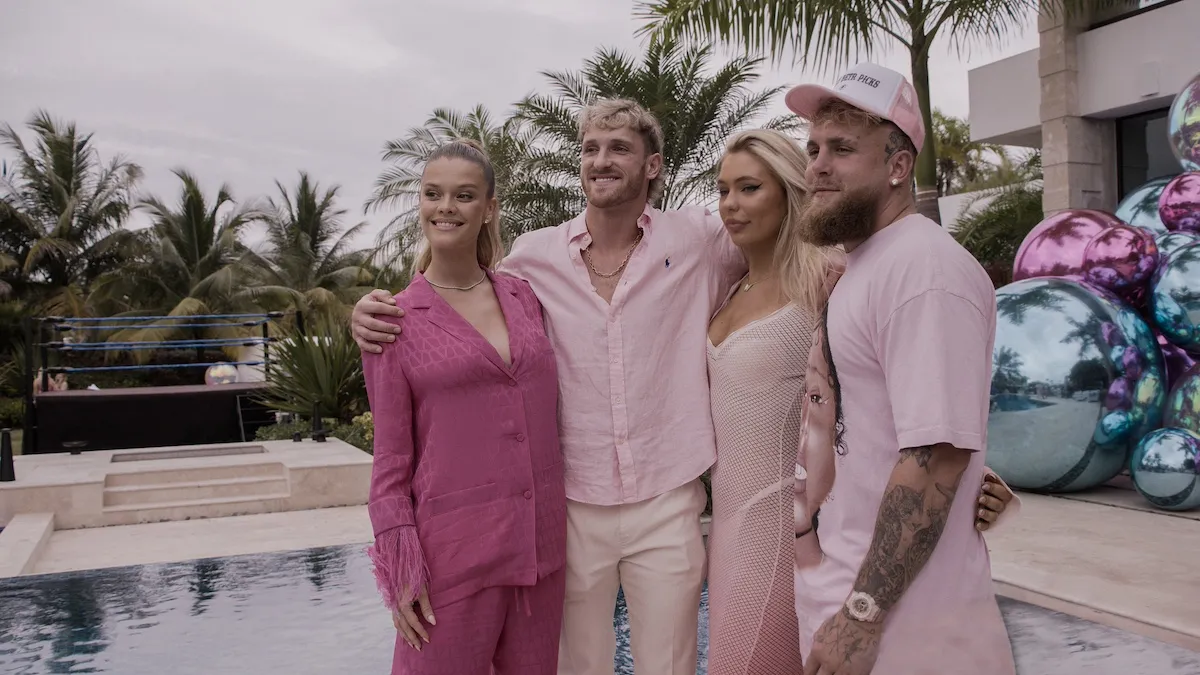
point(628, 254)
point(457, 288)
point(747, 285)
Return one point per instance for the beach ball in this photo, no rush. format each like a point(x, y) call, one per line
point(1164, 470)
point(1077, 381)
point(221, 373)
point(1183, 126)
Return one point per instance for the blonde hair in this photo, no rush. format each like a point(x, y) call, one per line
point(623, 113)
point(489, 248)
point(804, 269)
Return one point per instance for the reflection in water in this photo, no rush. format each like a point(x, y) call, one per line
point(1077, 380)
point(318, 612)
point(247, 614)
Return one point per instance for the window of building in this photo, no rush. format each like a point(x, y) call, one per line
point(1143, 150)
point(1125, 10)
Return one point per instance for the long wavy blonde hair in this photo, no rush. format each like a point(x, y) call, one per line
point(804, 269)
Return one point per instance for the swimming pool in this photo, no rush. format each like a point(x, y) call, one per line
point(317, 612)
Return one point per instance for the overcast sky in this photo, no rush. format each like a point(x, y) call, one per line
point(249, 91)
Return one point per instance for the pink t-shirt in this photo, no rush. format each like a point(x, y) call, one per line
point(910, 328)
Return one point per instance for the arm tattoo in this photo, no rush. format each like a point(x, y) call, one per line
point(921, 455)
point(910, 523)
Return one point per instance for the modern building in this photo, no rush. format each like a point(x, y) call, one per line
point(1094, 97)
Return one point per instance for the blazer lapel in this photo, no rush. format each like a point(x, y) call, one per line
point(514, 316)
point(441, 314)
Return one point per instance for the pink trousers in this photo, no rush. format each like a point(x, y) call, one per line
point(505, 630)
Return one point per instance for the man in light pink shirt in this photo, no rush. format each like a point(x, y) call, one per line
point(902, 582)
point(627, 292)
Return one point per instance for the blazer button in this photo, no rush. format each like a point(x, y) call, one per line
point(520, 438)
point(528, 494)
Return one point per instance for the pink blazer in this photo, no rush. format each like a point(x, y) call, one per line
point(466, 448)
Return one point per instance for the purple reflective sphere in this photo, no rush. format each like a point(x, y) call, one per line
point(1176, 361)
point(1122, 259)
point(1179, 204)
point(1055, 246)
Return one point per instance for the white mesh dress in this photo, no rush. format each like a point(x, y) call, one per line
point(757, 380)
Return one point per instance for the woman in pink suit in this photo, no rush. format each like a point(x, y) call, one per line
point(467, 497)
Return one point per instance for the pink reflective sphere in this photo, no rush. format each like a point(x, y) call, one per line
point(1054, 247)
point(1179, 204)
point(1122, 259)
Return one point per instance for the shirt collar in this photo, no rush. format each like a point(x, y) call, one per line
point(577, 231)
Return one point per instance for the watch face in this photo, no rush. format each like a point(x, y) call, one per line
point(861, 606)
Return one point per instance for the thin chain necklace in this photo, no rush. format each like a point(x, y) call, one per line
point(628, 254)
point(747, 285)
point(457, 288)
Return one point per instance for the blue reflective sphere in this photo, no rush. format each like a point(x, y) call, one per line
point(1164, 469)
point(1077, 381)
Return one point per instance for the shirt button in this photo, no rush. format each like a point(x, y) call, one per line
point(512, 383)
point(520, 437)
point(528, 494)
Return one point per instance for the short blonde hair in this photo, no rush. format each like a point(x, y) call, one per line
point(489, 249)
point(803, 268)
point(623, 113)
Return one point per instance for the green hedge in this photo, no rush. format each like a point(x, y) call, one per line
point(360, 432)
point(12, 413)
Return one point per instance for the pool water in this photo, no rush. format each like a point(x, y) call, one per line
point(317, 611)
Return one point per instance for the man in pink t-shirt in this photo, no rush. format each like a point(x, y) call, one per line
point(901, 583)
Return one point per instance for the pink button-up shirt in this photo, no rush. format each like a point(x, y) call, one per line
point(634, 417)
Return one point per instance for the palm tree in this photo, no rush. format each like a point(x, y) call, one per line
point(61, 212)
point(831, 32)
point(509, 145)
point(697, 107)
point(536, 151)
point(960, 161)
point(309, 264)
point(192, 263)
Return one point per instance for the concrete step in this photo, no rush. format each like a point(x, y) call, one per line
point(174, 492)
point(194, 474)
point(195, 508)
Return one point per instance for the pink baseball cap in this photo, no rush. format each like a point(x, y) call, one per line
point(869, 87)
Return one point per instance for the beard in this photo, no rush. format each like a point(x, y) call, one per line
point(850, 217)
point(630, 190)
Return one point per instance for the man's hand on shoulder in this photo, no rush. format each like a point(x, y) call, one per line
point(368, 331)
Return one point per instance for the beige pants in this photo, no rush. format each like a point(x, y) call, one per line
point(655, 552)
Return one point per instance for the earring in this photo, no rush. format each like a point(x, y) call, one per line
point(895, 182)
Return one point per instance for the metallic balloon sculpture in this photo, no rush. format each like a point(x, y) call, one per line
point(1170, 242)
point(1165, 469)
point(1175, 298)
point(1140, 207)
point(1054, 247)
point(1183, 126)
point(1101, 321)
point(1179, 203)
point(1121, 259)
point(1077, 381)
